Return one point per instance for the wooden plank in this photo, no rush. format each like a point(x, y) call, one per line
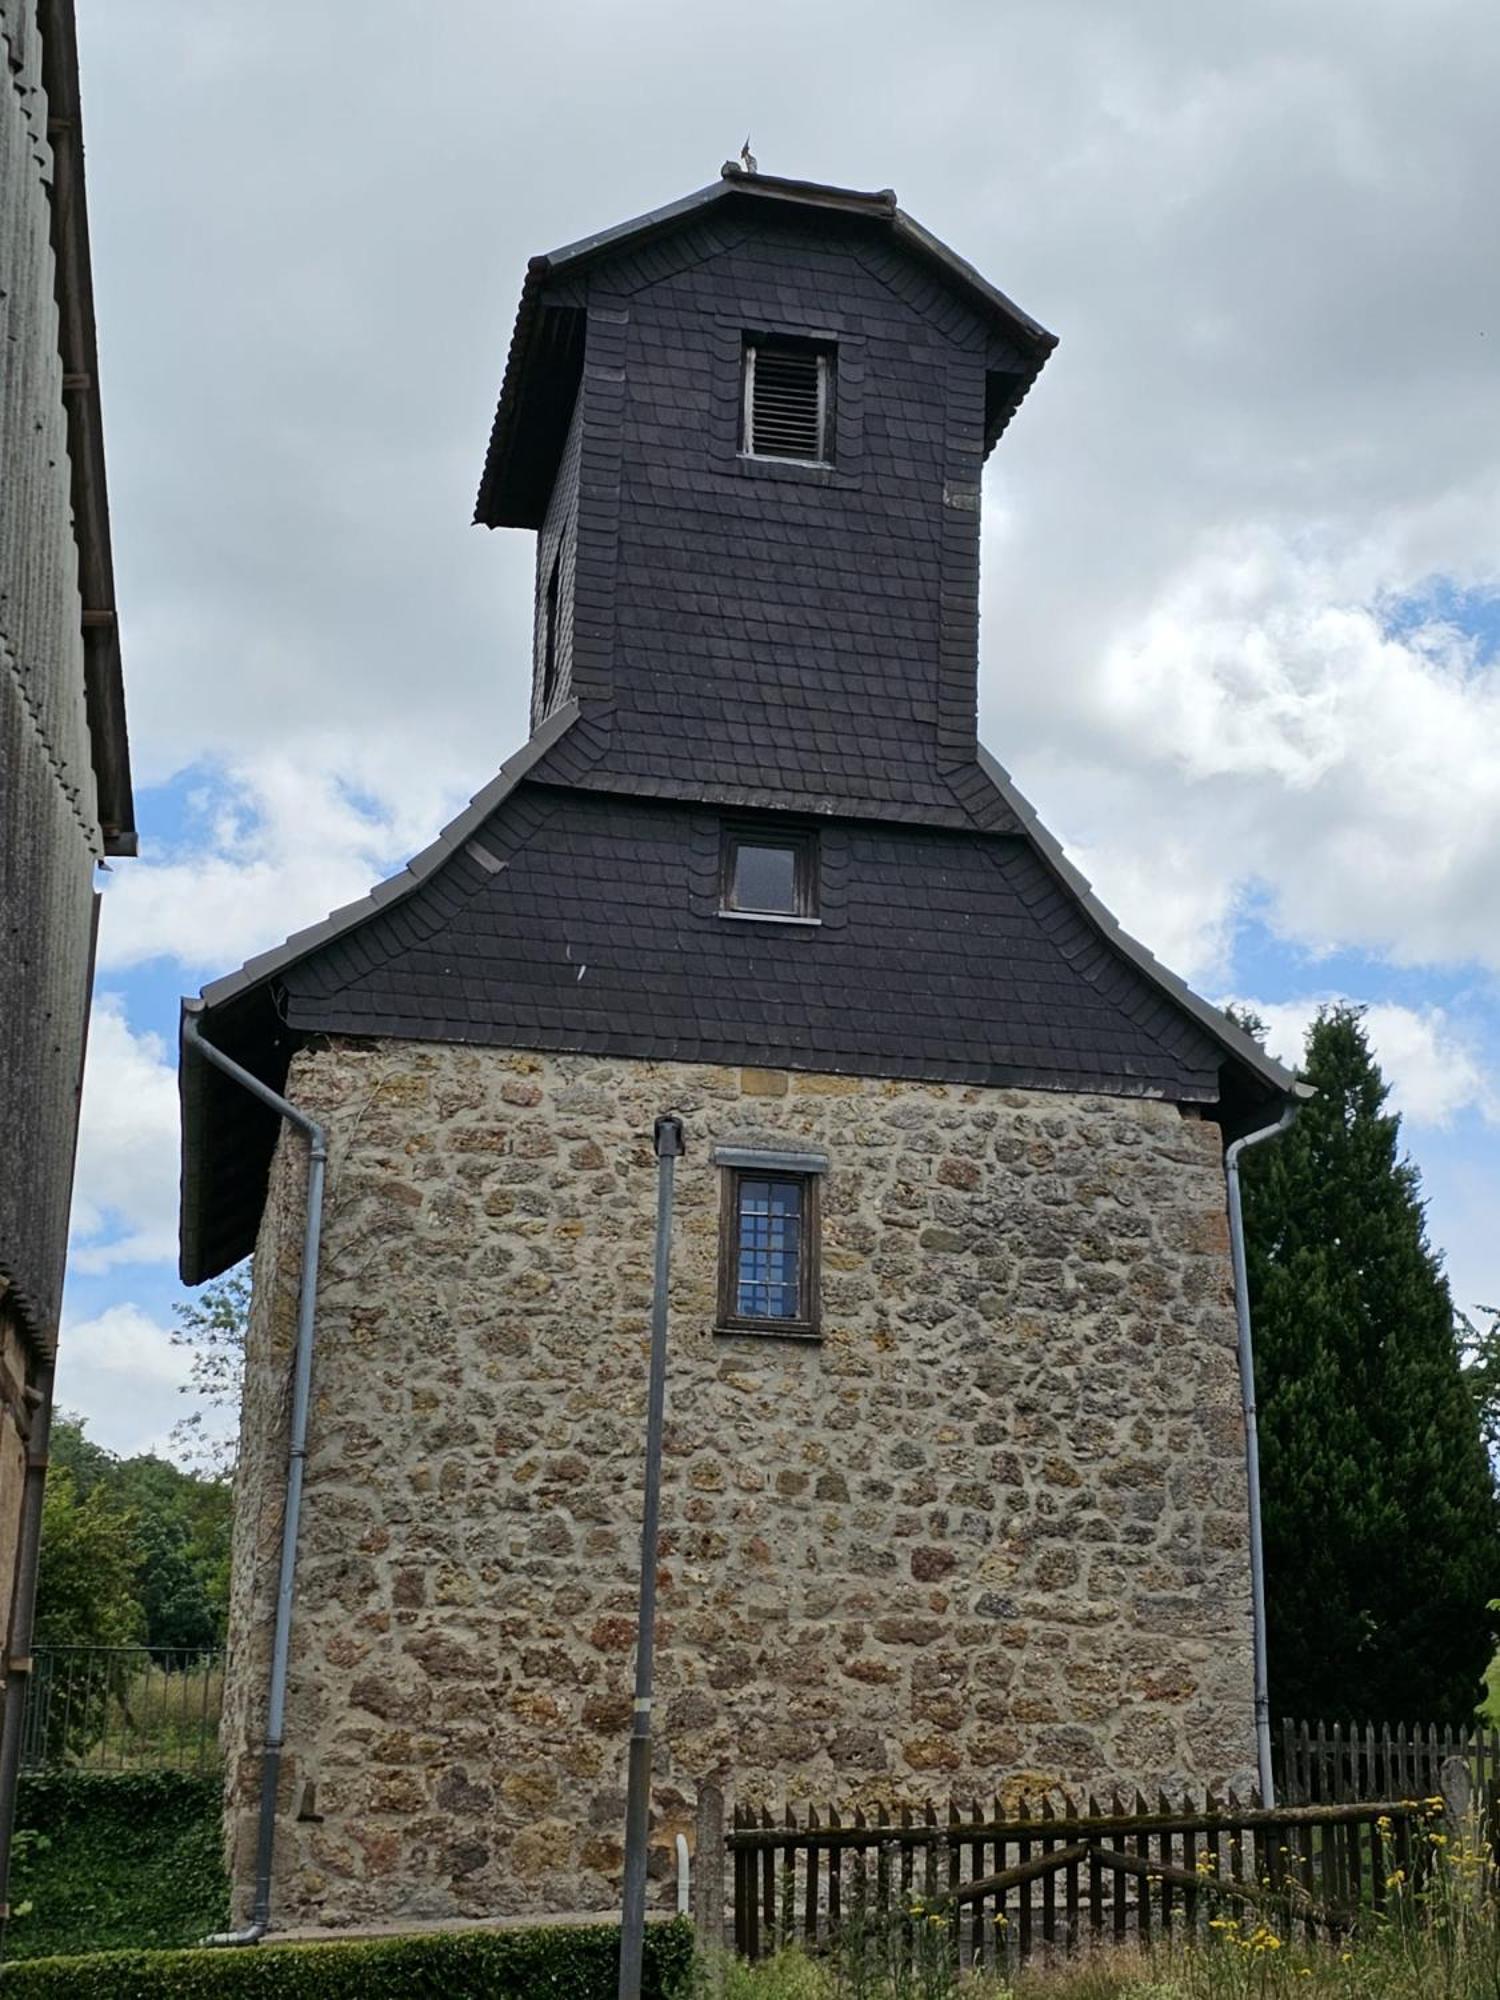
point(1164, 1854)
point(908, 1865)
point(861, 1878)
point(1143, 1849)
point(1023, 1897)
point(768, 1883)
point(985, 1941)
point(1304, 1839)
point(1235, 1892)
point(955, 1857)
point(1404, 1857)
point(741, 1863)
point(1037, 1867)
point(835, 1877)
point(1190, 1867)
point(752, 1899)
point(1084, 1826)
point(1330, 1847)
point(1096, 1881)
point(1120, 1923)
point(1071, 1892)
point(1325, 1769)
point(1212, 1848)
point(1049, 1882)
point(1342, 1773)
point(883, 1854)
point(810, 1905)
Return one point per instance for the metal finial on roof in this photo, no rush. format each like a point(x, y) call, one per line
point(747, 158)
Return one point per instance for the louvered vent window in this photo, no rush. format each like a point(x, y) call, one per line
point(788, 400)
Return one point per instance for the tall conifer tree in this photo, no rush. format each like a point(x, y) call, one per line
point(1381, 1530)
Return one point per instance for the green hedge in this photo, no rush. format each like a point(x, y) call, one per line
point(106, 1859)
point(543, 1964)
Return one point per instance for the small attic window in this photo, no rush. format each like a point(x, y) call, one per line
point(788, 408)
point(772, 876)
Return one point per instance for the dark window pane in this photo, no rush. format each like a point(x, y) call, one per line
point(767, 1280)
point(765, 878)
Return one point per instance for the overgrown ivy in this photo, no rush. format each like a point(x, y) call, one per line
point(110, 1859)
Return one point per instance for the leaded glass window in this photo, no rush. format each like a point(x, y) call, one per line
point(769, 1253)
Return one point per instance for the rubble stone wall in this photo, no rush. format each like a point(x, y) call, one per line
point(987, 1537)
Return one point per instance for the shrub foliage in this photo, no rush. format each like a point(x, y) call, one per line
point(543, 1964)
point(109, 1858)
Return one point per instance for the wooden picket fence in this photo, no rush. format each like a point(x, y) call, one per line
point(1319, 1762)
point(991, 1891)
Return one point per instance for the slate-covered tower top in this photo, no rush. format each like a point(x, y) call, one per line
point(749, 429)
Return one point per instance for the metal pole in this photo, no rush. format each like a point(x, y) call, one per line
point(1252, 1445)
point(668, 1142)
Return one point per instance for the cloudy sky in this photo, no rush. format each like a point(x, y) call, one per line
point(1241, 608)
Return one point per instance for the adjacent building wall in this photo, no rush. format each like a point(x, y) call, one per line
point(989, 1535)
point(49, 823)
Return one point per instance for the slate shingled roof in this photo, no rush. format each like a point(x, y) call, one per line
point(943, 956)
point(713, 669)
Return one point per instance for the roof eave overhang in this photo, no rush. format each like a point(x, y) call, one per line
point(104, 686)
point(232, 1005)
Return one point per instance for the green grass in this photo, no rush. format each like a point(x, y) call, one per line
point(1439, 1940)
point(1392, 1963)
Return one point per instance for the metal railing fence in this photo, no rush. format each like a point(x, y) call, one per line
point(123, 1708)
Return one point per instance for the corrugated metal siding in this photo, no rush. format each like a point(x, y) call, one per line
point(49, 831)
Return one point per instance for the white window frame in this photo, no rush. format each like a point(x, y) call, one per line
point(747, 414)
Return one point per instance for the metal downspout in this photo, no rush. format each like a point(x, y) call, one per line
point(307, 1294)
point(668, 1146)
point(1246, 1344)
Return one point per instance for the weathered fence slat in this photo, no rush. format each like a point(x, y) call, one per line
point(991, 1884)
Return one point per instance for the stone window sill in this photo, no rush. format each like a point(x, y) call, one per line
point(804, 1335)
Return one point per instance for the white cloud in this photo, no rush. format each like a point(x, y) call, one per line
point(277, 841)
point(1260, 726)
point(1264, 235)
point(125, 1193)
point(1260, 234)
point(1431, 1064)
point(121, 1372)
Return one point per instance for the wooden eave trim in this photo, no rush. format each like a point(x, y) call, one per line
point(104, 686)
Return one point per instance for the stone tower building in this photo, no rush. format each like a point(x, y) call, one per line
point(954, 1481)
